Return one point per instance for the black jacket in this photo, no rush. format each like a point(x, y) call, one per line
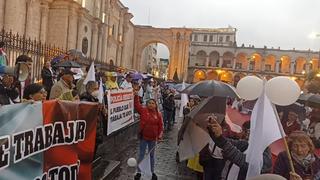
point(47, 78)
point(7, 94)
point(233, 151)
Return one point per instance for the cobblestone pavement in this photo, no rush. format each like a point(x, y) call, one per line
point(166, 166)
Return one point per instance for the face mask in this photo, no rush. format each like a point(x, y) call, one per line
point(95, 93)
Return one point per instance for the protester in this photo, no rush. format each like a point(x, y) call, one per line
point(291, 124)
point(35, 92)
point(47, 77)
point(149, 92)
point(168, 110)
point(233, 151)
point(92, 92)
point(151, 130)
point(111, 82)
point(3, 58)
point(127, 83)
point(211, 156)
point(64, 85)
point(91, 95)
point(9, 94)
point(80, 86)
point(306, 163)
point(71, 95)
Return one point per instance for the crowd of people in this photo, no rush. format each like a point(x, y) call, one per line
point(155, 103)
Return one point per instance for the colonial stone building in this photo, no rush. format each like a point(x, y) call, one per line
point(100, 28)
point(214, 54)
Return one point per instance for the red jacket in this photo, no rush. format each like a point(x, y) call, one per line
point(151, 124)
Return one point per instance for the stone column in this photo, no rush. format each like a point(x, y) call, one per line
point(94, 41)
point(15, 16)
point(29, 10)
point(220, 61)
point(44, 21)
point(292, 69)
point(2, 13)
point(104, 43)
point(308, 67)
point(277, 66)
point(262, 65)
point(80, 29)
point(234, 63)
point(72, 27)
point(207, 61)
point(100, 34)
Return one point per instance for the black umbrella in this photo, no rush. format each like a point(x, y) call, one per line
point(312, 100)
point(200, 113)
point(76, 53)
point(68, 64)
point(211, 88)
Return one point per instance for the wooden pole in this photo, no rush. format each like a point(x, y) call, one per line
point(284, 139)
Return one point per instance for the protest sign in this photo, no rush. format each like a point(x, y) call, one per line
point(50, 140)
point(120, 109)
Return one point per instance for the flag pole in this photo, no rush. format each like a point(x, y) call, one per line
point(284, 138)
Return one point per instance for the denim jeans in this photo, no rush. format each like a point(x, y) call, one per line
point(167, 119)
point(142, 151)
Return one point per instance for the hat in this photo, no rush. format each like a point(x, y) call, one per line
point(111, 74)
point(68, 72)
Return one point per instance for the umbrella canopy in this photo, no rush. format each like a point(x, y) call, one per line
point(200, 113)
point(76, 53)
point(137, 76)
point(192, 136)
point(178, 87)
point(312, 100)
point(68, 64)
point(211, 88)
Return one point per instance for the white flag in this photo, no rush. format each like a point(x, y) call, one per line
point(101, 93)
point(91, 76)
point(145, 166)
point(264, 130)
point(184, 100)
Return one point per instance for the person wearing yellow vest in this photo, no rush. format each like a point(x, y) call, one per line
point(111, 82)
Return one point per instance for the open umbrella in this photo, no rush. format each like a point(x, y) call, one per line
point(68, 64)
point(178, 87)
point(312, 100)
point(211, 88)
point(198, 116)
point(137, 76)
point(76, 53)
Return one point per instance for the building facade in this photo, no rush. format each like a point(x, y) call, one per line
point(149, 58)
point(101, 29)
point(214, 54)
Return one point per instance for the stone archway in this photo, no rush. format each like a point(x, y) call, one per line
point(176, 39)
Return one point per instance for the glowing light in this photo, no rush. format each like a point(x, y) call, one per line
point(293, 78)
point(282, 59)
point(219, 71)
point(318, 75)
point(303, 72)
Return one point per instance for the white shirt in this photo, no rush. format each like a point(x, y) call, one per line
point(126, 85)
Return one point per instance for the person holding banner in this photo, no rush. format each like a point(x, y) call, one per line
point(306, 163)
point(91, 95)
point(34, 92)
point(151, 130)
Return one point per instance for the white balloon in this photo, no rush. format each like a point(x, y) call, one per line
point(250, 87)
point(132, 162)
point(282, 90)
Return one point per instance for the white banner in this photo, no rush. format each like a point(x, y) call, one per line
point(120, 109)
